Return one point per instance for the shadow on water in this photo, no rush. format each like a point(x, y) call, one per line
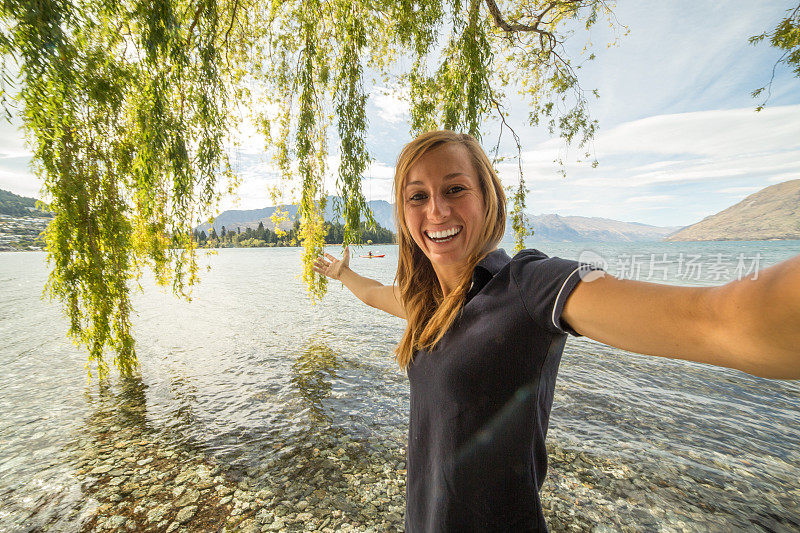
point(125, 407)
point(317, 473)
point(312, 375)
point(185, 391)
point(132, 478)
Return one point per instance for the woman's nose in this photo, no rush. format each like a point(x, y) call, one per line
point(438, 207)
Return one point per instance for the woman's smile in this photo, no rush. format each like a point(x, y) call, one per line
point(443, 236)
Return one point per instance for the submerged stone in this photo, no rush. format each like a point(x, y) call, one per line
point(185, 514)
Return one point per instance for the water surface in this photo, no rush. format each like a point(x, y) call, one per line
point(251, 376)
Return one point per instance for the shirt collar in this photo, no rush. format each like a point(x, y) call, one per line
point(486, 269)
point(494, 261)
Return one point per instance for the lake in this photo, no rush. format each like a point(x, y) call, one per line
point(256, 409)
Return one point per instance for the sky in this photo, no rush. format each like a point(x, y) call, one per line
point(678, 138)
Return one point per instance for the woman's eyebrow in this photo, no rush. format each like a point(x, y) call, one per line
point(446, 177)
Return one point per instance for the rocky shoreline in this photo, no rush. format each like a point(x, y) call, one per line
point(134, 480)
point(132, 476)
point(140, 484)
point(19, 234)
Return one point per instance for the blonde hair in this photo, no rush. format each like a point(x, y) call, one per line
point(429, 313)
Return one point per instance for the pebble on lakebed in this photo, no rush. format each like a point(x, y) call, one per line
point(332, 484)
point(141, 484)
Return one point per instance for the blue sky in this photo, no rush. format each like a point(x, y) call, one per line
point(679, 138)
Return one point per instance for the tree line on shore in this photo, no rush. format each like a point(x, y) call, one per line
point(263, 237)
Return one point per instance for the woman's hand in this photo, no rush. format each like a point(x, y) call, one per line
point(333, 267)
point(371, 292)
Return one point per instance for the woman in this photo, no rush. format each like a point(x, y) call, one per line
point(485, 335)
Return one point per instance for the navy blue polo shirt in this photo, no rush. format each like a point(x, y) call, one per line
point(480, 401)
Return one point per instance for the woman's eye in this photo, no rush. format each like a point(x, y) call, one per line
point(456, 188)
point(418, 196)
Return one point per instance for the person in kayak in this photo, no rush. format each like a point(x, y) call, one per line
point(485, 333)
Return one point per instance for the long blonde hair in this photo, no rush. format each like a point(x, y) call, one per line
point(429, 313)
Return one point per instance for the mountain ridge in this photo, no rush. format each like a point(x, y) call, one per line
point(773, 213)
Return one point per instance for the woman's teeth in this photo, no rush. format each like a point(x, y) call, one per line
point(443, 236)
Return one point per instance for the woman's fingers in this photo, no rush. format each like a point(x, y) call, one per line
point(322, 266)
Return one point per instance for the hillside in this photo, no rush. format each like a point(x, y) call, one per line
point(19, 206)
point(771, 213)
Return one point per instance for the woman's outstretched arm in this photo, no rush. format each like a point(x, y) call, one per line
point(750, 324)
point(370, 291)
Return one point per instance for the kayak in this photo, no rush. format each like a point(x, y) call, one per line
point(374, 255)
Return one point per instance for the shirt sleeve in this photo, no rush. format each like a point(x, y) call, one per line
point(545, 283)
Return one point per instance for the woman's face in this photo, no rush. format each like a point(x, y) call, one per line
point(443, 205)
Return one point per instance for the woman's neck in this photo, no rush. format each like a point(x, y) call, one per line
point(450, 275)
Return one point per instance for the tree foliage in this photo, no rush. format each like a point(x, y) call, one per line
point(786, 37)
point(128, 106)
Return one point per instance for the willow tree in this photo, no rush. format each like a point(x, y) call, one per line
point(129, 107)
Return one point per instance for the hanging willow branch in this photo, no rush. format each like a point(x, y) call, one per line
point(128, 107)
point(127, 133)
point(311, 147)
point(351, 112)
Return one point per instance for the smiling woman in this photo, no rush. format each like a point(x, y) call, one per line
point(485, 335)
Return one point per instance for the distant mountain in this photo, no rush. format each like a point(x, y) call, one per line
point(548, 228)
point(249, 218)
point(555, 228)
point(771, 213)
point(19, 206)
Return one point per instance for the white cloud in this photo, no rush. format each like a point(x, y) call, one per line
point(562, 203)
point(650, 198)
point(780, 178)
point(707, 133)
point(380, 171)
point(689, 147)
point(392, 104)
point(665, 169)
point(12, 139)
point(717, 133)
point(739, 190)
point(22, 183)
